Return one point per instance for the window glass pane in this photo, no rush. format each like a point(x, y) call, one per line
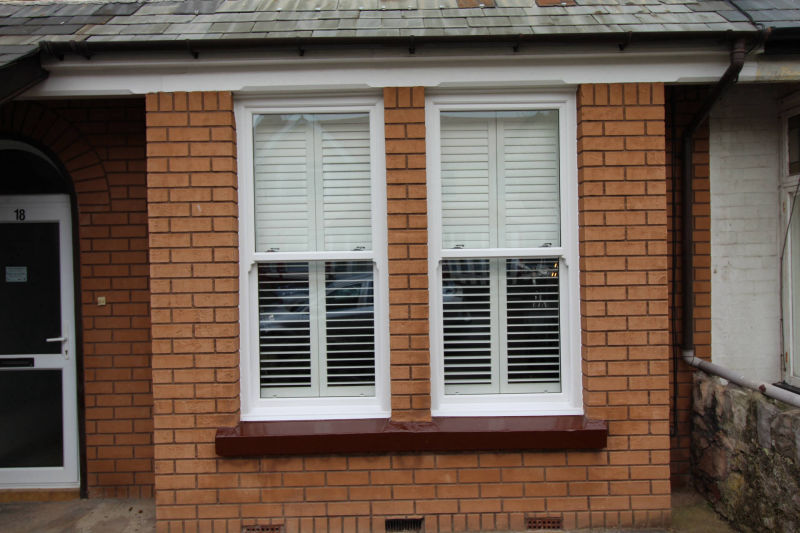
point(794, 144)
point(532, 311)
point(312, 182)
point(350, 323)
point(285, 334)
point(500, 179)
point(466, 303)
point(501, 322)
point(304, 351)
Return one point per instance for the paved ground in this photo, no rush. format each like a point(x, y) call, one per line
point(80, 516)
point(690, 514)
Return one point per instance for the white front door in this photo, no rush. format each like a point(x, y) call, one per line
point(38, 397)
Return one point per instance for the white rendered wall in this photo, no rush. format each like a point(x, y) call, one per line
point(745, 301)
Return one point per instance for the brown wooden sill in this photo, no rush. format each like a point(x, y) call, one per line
point(440, 434)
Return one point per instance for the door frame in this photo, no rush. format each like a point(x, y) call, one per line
point(53, 208)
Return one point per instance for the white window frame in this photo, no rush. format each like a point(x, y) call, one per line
point(788, 186)
point(253, 406)
point(569, 401)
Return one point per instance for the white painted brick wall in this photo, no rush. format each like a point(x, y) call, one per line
point(744, 143)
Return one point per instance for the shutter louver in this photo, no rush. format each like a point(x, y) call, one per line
point(285, 335)
point(529, 173)
point(466, 293)
point(500, 179)
point(532, 317)
point(283, 161)
point(345, 163)
point(312, 182)
point(466, 185)
point(350, 323)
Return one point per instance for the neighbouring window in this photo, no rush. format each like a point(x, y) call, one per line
point(503, 254)
point(314, 248)
point(790, 253)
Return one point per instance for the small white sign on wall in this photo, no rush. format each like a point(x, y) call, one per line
point(16, 274)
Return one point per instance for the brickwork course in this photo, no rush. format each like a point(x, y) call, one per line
point(101, 145)
point(165, 254)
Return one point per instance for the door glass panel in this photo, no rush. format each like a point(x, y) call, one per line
point(31, 425)
point(29, 288)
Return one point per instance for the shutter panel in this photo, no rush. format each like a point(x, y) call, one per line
point(467, 196)
point(284, 167)
point(529, 179)
point(532, 317)
point(285, 330)
point(468, 324)
point(347, 197)
point(312, 182)
point(349, 324)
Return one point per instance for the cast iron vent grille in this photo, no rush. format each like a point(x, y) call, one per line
point(544, 522)
point(394, 525)
point(271, 528)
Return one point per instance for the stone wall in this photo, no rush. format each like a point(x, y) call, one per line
point(746, 455)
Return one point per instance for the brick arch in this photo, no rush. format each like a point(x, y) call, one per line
point(46, 128)
point(100, 145)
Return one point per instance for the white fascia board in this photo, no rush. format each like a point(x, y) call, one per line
point(110, 74)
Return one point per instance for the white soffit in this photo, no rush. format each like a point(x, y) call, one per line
point(107, 74)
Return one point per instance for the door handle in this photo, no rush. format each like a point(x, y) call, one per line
point(64, 345)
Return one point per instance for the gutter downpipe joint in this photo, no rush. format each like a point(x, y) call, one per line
point(687, 252)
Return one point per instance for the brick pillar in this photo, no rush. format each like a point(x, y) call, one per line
point(192, 214)
point(408, 252)
point(624, 298)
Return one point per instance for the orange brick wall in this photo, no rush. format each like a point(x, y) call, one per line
point(193, 239)
point(102, 146)
point(622, 212)
point(192, 189)
point(404, 112)
point(682, 103)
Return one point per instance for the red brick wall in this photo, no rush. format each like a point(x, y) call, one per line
point(682, 104)
point(101, 145)
point(193, 239)
point(622, 210)
point(191, 180)
point(404, 112)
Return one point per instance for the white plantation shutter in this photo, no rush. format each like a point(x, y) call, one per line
point(532, 316)
point(312, 182)
point(283, 161)
point(469, 329)
point(529, 180)
point(467, 192)
point(501, 325)
point(500, 179)
point(500, 189)
point(344, 160)
point(316, 328)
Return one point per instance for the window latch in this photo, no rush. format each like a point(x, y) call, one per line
point(458, 246)
point(547, 245)
point(276, 249)
point(358, 249)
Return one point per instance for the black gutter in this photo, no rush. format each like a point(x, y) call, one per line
point(20, 75)
point(194, 47)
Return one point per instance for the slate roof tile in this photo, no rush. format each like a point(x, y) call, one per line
point(132, 20)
